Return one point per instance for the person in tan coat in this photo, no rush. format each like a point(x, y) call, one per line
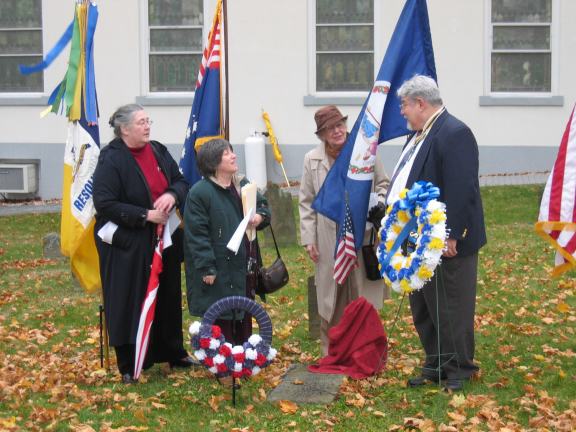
point(318, 233)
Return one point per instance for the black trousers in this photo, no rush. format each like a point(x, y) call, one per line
point(446, 306)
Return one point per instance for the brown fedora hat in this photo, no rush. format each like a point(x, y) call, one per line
point(327, 117)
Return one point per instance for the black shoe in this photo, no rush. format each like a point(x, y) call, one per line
point(421, 380)
point(453, 384)
point(185, 362)
point(128, 379)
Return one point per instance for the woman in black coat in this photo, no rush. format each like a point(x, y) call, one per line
point(136, 185)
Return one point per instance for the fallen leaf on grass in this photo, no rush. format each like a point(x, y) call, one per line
point(457, 400)
point(287, 407)
point(457, 417)
point(82, 428)
point(214, 402)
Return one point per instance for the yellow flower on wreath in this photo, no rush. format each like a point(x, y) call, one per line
point(437, 216)
point(425, 273)
point(436, 243)
point(403, 216)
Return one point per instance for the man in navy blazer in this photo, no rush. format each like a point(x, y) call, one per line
point(443, 151)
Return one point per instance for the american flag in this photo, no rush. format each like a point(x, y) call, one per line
point(149, 304)
point(206, 120)
point(346, 259)
point(557, 218)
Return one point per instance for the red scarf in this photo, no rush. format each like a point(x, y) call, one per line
point(147, 162)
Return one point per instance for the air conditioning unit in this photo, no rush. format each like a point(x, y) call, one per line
point(18, 178)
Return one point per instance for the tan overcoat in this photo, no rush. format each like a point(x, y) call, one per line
point(321, 231)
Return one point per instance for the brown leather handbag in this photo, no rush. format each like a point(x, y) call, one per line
point(274, 277)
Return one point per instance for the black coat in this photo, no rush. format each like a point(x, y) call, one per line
point(121, 195)
point(449, 159)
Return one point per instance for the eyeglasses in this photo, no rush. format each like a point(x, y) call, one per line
point(407, 102)
point(144, 122)
point(338, 126)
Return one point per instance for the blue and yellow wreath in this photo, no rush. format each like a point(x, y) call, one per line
point(420, 213)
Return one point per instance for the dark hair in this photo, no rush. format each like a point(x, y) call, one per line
point(210, 155)
point(123, 117)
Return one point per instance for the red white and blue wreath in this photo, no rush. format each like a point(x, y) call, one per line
point(220, 357)
point(417, 211)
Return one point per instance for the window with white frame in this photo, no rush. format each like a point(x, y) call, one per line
point(344, 32)
point(175, 44)
point(521, 52)
point(20, 43)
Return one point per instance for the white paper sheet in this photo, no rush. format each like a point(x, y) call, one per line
point(106, 233)
point(236, 239)
point(172, 224)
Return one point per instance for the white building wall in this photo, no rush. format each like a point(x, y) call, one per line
point(268, 69)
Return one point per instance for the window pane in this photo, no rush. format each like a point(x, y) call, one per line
point(11, 80)
point(345, 38)
point(344, 11)
point(521, 37)
point(176, 40)
point(21, 42)
point(538, 11)
point(175, 12)
point(344, 72)
point(520, 72)
point(173, 72)
point(20, 13)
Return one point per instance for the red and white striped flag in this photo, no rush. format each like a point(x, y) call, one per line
point(346, 259)
point(149, 305)
point(557, 219)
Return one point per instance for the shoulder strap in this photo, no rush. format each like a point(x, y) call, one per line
point(274, 238)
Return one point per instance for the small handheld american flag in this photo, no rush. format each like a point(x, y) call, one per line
point(346, 259)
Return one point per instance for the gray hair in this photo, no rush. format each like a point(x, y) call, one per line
point(123, 117)
point(421, 86)
point(210, 155)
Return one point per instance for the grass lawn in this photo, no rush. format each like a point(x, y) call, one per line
point(51, 379)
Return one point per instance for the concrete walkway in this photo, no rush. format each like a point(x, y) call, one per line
point(28, 207)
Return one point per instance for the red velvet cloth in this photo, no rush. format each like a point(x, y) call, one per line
point(358, 344)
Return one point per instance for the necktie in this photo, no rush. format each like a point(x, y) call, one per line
point(407, 155)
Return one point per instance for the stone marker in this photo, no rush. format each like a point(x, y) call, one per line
point(313, 316)
point(301, 386)
point(283, 222)
point(51, 246)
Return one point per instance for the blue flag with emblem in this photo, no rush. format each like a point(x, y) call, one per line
point(206, 118)
point(409, 53)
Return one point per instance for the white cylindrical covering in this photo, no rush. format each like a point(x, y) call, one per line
point(255, 157)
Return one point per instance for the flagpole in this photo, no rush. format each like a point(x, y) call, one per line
point(227, 99)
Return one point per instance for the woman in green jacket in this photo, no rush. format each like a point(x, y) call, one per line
point(212, 213)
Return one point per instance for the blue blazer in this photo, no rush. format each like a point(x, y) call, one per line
point(449, 159)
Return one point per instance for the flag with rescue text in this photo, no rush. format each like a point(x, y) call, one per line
point(557, 218)
point(75, 96)
point(409, 53)
point(206, 120)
